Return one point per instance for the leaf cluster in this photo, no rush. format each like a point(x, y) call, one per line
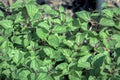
point(40, 43)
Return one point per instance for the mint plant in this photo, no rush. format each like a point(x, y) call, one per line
point(40, 43)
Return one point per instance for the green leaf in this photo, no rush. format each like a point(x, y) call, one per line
point(17, 4)
point(84, 65)
point(93, 41)
point(108, 13)
point(47, 8)
point(35, 64)
point(76, 47)
point(4, 64)
point(8, 32)
point(59, 29)
point(91, 78)
point(47, 62)
point(53, 13)
point(61, 38)
point(62, 66)
point(84, 62)
point(98, 59)
point(17, 40)
point(112, 44)
point(1, 39)
point(103, 35)
point(84, 26)
point(116, 37)
point(49, 52)
point(97, 62)
point(6, 24)
point(100, 49)
point(41, 33)
point(105, 42)
point(1, 14)
point(69, 20)
point(76, 22)
point(69, 43)
point(62, 17)
point(59, 56)
point(67, 53)
point(84, 15)
point(108, 59)
point(58, 77)
point(79, 38)
point(30, 2)
point(85, 49)
point(109, 43)
point(118, 61)
point(26, 42)
point(118, 26)
point(19, 18)
point(53, 41)
point(36, 18)
point(23, 75)
point(116, 11)
point(107, 22)
point(32, 76)
point(31, 46)
point(32, 9)
point(44, 76)
point(75, 75)
point(117, 45)
point(44, 25)
point(17, 56)
point(6, 72)
point(58, 21)
point(5, 44)
point(61, 9)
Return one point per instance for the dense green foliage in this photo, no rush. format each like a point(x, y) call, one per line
point(39, 43)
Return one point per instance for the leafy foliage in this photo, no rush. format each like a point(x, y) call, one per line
point(39, 43)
